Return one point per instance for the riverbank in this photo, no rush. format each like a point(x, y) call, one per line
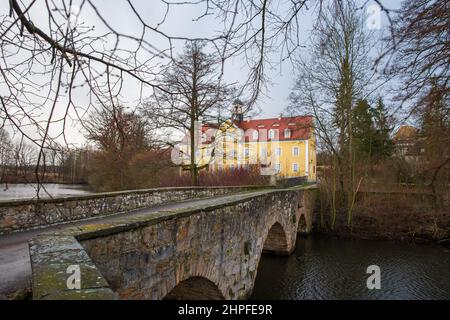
point(390, 216)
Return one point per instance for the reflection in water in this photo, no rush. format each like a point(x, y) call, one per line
point(26, 191)
point(330, 268)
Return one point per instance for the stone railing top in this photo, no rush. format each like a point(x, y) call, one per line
point(51, 257)
point(18, 202)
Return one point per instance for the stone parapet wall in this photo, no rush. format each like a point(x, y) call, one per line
point(26, 214)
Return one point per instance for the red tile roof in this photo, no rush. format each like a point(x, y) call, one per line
point(207, 126)
point(299, 126)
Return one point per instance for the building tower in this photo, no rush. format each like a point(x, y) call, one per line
point(237, 112)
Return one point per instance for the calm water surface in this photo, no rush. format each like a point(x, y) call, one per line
point(329, 268)
point(26, 191)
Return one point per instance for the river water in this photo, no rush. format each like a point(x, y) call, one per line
point(328, 268)
point(27, 191)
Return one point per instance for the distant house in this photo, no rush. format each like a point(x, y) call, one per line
point(408, 143)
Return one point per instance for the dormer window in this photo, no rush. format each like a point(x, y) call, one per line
point(276, 125)
point(287, 133)
point(291, 124)
point(260, 126)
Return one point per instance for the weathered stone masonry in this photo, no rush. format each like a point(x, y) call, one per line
point(50, 257)
point(26, 214)
point(207, 252)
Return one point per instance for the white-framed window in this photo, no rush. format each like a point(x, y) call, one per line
point(271, 134)
point(247, 152)
point(295, 167)
point(262, 152)
point(295, 151)
point(278, 167)
point(287, 133)
point(255, 135)
point(278, 151)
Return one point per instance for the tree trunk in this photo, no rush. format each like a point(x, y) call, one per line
point(194, 168)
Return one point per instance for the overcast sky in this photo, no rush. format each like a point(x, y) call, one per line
point(180, 22)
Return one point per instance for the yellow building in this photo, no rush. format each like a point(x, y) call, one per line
point(283, 146)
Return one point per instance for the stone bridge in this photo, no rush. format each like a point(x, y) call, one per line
point(208, 251)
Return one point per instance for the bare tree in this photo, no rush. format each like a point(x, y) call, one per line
point(433, 116)
point(418, 49)
point(200, 96)
point(329, 84)
point(49, 57)
point(418, 55)
point(53, 42)
point(24, 158)
point(54, 52)
point(6, 155)
point(119, 136)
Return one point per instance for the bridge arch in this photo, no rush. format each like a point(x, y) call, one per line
point(302, 227)
point(195, 288)
point(276, 241)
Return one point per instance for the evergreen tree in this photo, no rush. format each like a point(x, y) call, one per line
point(382, 144)
point(371, 130)
point(363, 129)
